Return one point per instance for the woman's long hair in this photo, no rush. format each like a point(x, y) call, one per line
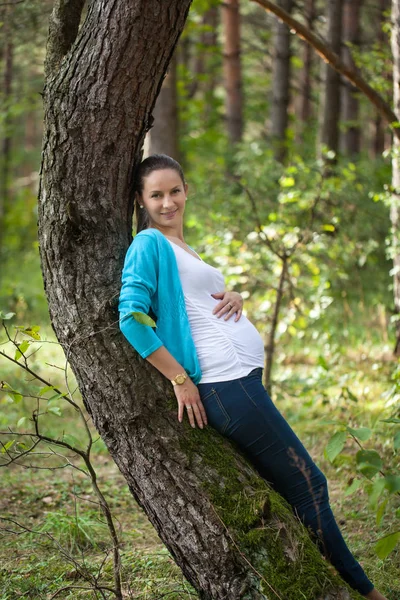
point(154, 162)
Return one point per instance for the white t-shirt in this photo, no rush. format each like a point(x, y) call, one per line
point(225, 349)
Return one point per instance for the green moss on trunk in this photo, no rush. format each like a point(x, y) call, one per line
point(261, 523)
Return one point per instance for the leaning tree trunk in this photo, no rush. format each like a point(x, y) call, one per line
point(230, 534)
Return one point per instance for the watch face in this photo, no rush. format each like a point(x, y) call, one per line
point(180, 379)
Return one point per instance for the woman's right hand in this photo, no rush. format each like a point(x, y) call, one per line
point(188, 398)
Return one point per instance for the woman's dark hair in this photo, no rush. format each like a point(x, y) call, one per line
point(154, 162)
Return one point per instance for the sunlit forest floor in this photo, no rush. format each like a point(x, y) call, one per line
point(317, 391)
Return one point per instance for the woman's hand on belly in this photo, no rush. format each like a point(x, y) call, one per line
point(188, 398)
point(231, 303)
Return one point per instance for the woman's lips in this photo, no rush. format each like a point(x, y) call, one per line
point(169, 215)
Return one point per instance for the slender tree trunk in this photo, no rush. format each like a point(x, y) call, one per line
point(232, 536)
point(281, 84)
point(395, 201)
point(304, 108)
point(270, 345)
point(379, 130)
point(232, 70)
point(350, 140)
point(330, 96)
point(164, 135)
point(8, 56)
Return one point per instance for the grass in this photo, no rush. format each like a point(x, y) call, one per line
point(71, 544)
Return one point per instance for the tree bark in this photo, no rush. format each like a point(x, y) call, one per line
point(281, 84)
point(304, 99)
point(351, 137)
point(164, 135)
point(330, 94)
point(232, 536)
point(232, 70)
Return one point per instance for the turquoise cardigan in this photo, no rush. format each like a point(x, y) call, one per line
point(150, 280)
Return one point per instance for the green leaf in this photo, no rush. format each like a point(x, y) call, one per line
point(336, 445)
point(33, 332)
point(45, 389)
point(368, 462)
point(287, 182)
point(6, 316)
point(56, 397)
point(351, 395)
point(375, 491)
point(385, 545)
point(381, 511)
point(22, 347)
point(353, 487)
point(143, 319)
point(396, 441)
point(56, 410)
point(7, 446)
point(363, 433)
point(21, 421)
point(391, 420)
point(392, 483)
point(14, 395)
point(70, 439)
point(328, 227)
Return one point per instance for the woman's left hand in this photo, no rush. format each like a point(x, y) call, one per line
point(231, 303)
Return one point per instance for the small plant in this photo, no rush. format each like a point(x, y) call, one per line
point(379, 481)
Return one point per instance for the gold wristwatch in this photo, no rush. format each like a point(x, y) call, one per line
point(179, 379)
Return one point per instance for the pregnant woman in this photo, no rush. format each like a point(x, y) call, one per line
point(214, 356)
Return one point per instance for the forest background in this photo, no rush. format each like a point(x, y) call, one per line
point(289, 172)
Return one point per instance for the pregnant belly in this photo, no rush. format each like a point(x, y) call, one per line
point(223, 346)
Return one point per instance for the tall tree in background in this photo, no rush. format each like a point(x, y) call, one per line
point(232, 70)
point(164, 135)
point(7, 77)
point(395, 200)
point(281, 84)
point(350, 139)
point(380, 133)
point(217, 517)
point(303, 104)
point(330, 93)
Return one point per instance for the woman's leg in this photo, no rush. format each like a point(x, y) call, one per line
point(242, 410)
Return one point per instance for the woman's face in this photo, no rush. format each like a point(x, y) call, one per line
point(164, 197)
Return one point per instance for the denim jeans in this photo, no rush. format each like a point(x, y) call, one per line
point(242, 410)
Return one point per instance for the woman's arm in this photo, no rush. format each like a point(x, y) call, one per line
point(187, 393)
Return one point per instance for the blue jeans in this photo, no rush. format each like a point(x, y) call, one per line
point(242, 410)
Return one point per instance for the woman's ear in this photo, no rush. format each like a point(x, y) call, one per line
point(186, 187)
point(137, 198)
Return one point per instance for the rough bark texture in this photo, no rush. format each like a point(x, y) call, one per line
point(351, 137)
point(232, 70)
point(214, 513)
point(281, 84)
point(164, 134)
point(330, 106)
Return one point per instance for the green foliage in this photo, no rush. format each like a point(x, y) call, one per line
point(381, 481)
